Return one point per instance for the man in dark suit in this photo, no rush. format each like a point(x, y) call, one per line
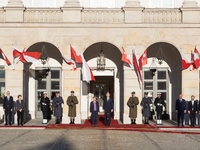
point(192, 110)
point(94, 110)
point(107, 108)
point(8, 107)
point(180, 109)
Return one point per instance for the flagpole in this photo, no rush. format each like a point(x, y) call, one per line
point(13, 59)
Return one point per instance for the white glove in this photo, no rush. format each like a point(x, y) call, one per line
point(44, 104)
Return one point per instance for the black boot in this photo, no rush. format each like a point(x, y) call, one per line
point(131, 121)
point(70, 121)
point(73, 122)
point(134, 122)
point(145, 121)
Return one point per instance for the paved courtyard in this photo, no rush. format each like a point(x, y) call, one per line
point(44, 139)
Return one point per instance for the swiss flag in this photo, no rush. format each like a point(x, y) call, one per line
point(87, 74)
point(16, 52)
point(29, 56)
point(74, 56)
point(137, 65)
point(143, 59)
point(196, 58)
point(5, 58)
point(185, 63)
point(125, 58)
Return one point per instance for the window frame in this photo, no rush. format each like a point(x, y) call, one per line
point(161, 4)
point(102, 4)
point(43, 4)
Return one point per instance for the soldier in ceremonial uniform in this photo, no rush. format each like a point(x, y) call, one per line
point(146, 101)
point(45, 104)
point(71, 102)
point(159, 103)
point(57, 103)
point(132, 103)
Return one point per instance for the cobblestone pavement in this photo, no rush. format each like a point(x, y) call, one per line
point(44, 139)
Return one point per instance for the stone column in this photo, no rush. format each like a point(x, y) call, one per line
point(133, 11)
point(72, 11)
point(190, 8)
point(15, 11)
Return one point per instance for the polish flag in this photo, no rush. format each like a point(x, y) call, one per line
point(185, 63)
point(125, 58)
point(30, 56)
point(86, 71)
point(196, 58)
point(5, 58)
point(74, 56)
point(136, 63)
point(16, 52)
point(69, 61)
point(143, 59)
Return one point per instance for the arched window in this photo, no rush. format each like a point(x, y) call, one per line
point(161, 3)
point(102, 3)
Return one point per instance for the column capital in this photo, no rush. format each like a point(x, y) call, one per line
point(132, 3)
point(72, 3)
point(190, 3)
point(15, 3)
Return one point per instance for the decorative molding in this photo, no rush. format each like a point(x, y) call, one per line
point(43, 15)
point(162, 16)
point(2, 15)
point(102, 16)
point(15, 3)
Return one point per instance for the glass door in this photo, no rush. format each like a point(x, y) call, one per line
point(50, 84)
point(157, 83)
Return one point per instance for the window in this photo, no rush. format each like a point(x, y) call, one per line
point(2, 84)
point(102, 3)
point(44, 3)
point(161, 3)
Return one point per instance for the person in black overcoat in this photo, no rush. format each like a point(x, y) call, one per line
point(107, 108)
point(45, 107)
point(180, 109)
point(8, 108)
point(192, 110)
point(146, 101)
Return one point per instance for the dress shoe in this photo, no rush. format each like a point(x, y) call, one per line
point(182, 125)
point(93, 125)
point(106, 125)
point(10, 124)
point(109, 125)
point(6, 124)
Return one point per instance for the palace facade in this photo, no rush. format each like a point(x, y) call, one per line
point(89, 27)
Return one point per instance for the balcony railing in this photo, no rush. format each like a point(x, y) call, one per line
point(161, 16)
point(102, 16)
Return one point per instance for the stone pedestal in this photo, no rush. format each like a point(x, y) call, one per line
point(15, 3)
point(71, 11)
point(190, 8)
point(133, 11)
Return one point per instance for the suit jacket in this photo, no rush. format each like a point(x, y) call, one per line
point(180, 107)
point(92, 107)
point(19, 105)
point(190, 106)
point(108, 105)
point(8, 104)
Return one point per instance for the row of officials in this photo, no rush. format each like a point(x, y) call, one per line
point(72, 100)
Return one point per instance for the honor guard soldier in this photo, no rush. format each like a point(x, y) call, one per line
point(159, 103)
point(8, 108)
point(45, 107)
point(71, 102)
point(145, 103)
point(132, 103)
point(58, 110)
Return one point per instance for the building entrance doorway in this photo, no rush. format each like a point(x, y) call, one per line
point(99, 88)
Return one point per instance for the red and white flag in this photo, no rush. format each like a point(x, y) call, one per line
point(87, 74)
point(5, 58)
point(69, 61)
point(196, 59)
point(16, 52)
point(29, 56)
point(125, 58)
point(74, 56)
point(185, 63)
point(143, 59)
point(136, 63)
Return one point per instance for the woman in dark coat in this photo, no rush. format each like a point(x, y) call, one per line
point(146, 101)
point(45, 104)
